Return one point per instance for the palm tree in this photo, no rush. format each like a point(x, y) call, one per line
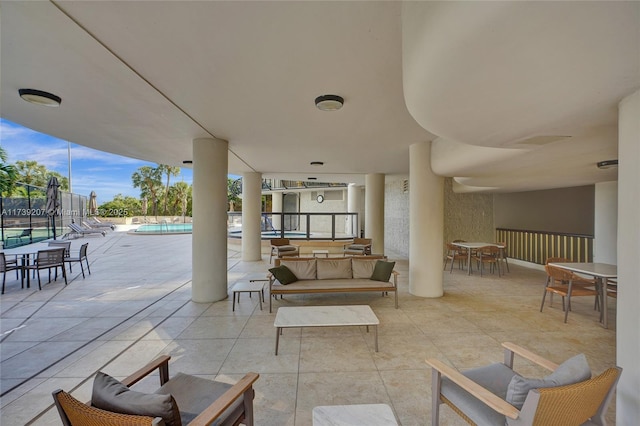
point(180, 193)
point(168, 171)
point(8, 173)
point(149, 180)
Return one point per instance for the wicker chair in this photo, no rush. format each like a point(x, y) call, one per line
point(478, 395)
point(567, 284)
point(490, 255)
point(211, 402)
point(455, 253)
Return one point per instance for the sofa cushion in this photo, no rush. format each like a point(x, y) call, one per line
point(111, 395)
point(283, 274)
point(573, 370)
point(328, 269)
point(363, 268)
point(382, 270)
point(303, 269)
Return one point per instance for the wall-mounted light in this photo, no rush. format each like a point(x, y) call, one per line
point(39, 97)
point(607, 164)
point(329, 102)
point(317, 163)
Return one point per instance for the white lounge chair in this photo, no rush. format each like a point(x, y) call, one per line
point(80, 230)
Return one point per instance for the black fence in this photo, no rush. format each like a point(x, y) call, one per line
point(24, 218)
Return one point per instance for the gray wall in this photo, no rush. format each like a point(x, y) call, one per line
point(567, 210)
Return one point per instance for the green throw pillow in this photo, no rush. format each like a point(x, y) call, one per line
point(284, 275)
point(382, 270)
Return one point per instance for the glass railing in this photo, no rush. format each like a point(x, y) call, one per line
point(300, 226)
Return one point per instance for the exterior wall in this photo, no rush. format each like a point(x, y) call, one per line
point(335, 201)
point(396, 216)
point(467, 216)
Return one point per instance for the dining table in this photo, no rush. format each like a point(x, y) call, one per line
point(26, 253)
point(470, 247)
point(602, 272)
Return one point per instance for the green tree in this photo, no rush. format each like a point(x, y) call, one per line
point(120, 206)
point(8, 173)
point(168, 171)
point(33, 173)
point(233, 189)
point(149, 180)
point(180, 195)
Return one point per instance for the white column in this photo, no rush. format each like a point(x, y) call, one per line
point(628, 336)
point(209, 240)
point(426, 224)
point(374, 211)
point(276, 207)
point(251, 220)
point(605, 234)
point(352, 207)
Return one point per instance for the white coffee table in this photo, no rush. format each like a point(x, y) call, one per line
point(253, 286)
point(354, 415)
point(325, 316)
point(317, 252)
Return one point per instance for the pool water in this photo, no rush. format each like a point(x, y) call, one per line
point(165, 228)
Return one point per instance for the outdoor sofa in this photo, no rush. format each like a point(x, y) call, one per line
point(332, 275)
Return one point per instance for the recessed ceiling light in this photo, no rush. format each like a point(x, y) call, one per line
point(317, 163)
point(187, 162)
point(39, 97)
point(329, 102)
point(607, 164)
point(312, 178)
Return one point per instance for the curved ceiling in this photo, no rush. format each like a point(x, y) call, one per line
point(487, 81)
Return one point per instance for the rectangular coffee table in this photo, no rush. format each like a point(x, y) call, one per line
point(354, 415)
point(325, 316)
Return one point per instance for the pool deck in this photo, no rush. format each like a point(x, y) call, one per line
point(137, 304)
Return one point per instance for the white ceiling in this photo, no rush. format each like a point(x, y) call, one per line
point(486, 81)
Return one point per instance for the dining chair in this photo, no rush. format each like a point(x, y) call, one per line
point(575, 286)
point(455, 253)
point(490, 255)
point(82, 255)
point(6, 266)
point(503, 253)
point(48, 259)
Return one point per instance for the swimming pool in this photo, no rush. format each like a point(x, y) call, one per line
point(267, 235)
point(165, 228)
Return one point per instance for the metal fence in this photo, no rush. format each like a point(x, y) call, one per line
point(537, 246)
point(24, 218)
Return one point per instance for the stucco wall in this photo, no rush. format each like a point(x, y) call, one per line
point(396, 214)
point(467, 216)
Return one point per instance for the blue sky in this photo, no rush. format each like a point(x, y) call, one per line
point(91, 170)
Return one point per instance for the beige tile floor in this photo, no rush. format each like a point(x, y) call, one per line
point(136, 305)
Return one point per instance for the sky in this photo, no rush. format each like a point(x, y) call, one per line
point(91, 170)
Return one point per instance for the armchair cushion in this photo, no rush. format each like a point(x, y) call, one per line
point(573, 370)
point(111, 395)
point(382, 270)
point(283, 274)
point(286, 248)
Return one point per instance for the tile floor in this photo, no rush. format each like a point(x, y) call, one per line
point(136, 305)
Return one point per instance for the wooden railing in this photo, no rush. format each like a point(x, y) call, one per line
point(537, 246)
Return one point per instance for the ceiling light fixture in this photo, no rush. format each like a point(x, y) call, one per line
point(39, 97)
point(329, 102)
point(317, 163)
point(312, 178)
point(607, 164)
point(187, 162)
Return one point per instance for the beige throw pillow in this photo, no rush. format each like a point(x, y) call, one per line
point(331, 269)
point(302, 269)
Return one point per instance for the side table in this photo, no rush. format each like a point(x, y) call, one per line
point(253, 286)
point(316, 252)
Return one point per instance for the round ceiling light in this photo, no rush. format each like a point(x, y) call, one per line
point(317, 163)
point(39, 97)
point(329, 102)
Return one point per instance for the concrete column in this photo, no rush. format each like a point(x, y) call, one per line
point(628, 336)
point(276, 207)
point(374, 211)
point(352, 207)
point(209, 241)
point(251, 216)
point(426, 224)
point(605, 233)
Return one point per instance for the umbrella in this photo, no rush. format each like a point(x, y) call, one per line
point(53, 203)
point(93, 203)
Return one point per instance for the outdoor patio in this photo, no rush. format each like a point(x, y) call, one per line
point(136, 305)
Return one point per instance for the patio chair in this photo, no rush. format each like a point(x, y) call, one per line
point(197, 401)
point(359, 247)
point(64, 244)
point(48, 259)
point(567, 284)
point(497, 395)
point(6, 266)
point(281, 247)
point(455, 253)
point(96, 224)
point(82, 255)
point(490, 255)
point(79, 230)
point(26, 233)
